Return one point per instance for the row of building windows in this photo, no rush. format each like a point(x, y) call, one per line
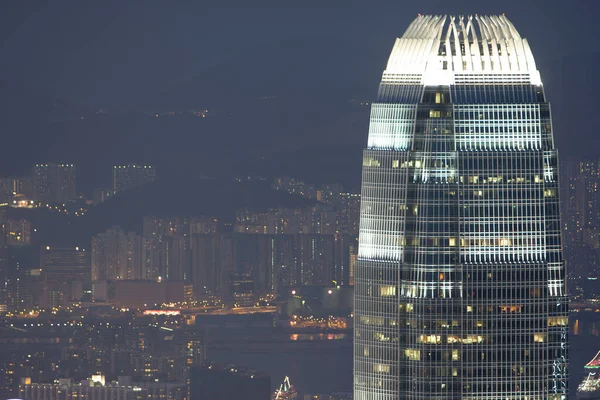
point(523, 241)
point(476, 309)
point(449, 164)
point(451, 325)
point(496, 94)
point(483, 161)
point(392, 91)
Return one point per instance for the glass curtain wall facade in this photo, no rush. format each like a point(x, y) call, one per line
point(460, 283)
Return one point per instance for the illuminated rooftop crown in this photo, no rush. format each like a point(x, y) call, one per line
point(443, 50)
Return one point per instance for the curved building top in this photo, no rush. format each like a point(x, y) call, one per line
point(448, 50)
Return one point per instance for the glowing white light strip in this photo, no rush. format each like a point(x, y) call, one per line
point(391, 126)
point(481, 55)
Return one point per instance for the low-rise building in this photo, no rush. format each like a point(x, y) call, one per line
point(96, 388)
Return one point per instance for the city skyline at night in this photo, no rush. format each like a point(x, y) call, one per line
point(299, 201)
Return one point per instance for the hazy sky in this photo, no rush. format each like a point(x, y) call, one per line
point(121, 51)
point(162, 54)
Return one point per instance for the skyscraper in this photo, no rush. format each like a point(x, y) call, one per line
point(460, 282)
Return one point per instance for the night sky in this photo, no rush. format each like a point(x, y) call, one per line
point(283, 72)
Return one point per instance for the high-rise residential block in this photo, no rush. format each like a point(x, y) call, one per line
point(7, 189)
point(18, 232)
point(241, 290)
point(460, 281)
point(129, 176)
point(348, 214)
point(64, 272)
point(54, 183)
point(271, 261)
point(168, 243)
point(117, 254)
point(24, 275)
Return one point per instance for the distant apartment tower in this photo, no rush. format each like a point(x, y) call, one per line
point(18, 232)
point(7, 189)
point(22, 276)
point(168, 244)
point(272, 261)
point(54, 183)
point(63, 264)
point(570, 201)
point(63, 272)
point(117, 254)
point(348, 214)
point(241, 290)
point(129, 176)
point(587, 200)
point(212, 261)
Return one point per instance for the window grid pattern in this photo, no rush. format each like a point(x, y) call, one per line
point(460, 282)
point(393, 91)
point(383, 205)
point(482, 78)
point(391, 127)
point(507, 127)
point(496, 94)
